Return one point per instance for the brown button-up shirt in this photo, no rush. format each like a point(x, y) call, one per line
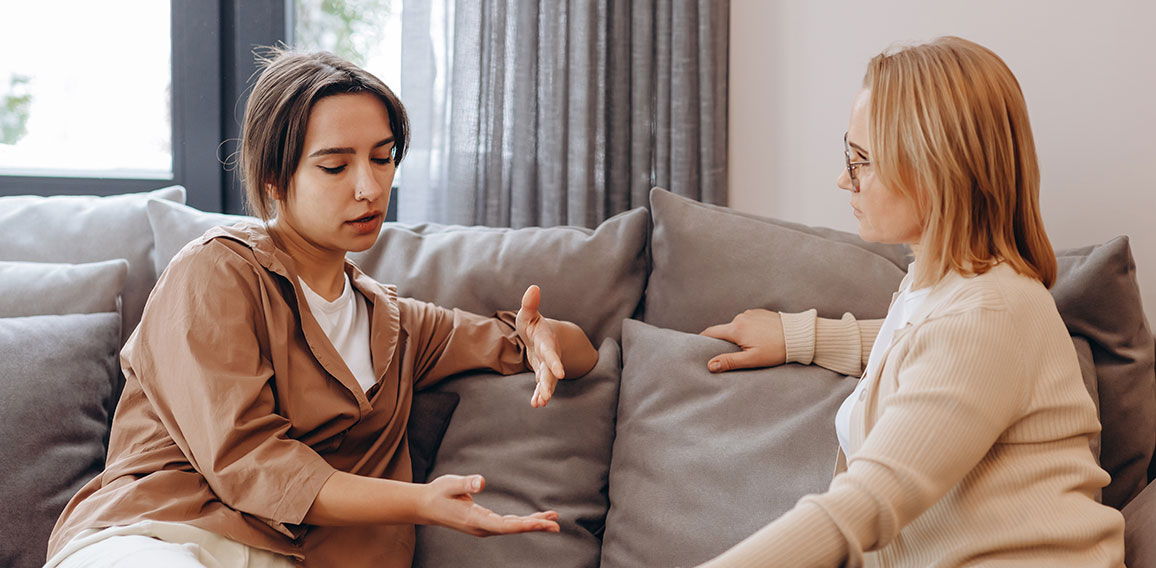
point(237, 408)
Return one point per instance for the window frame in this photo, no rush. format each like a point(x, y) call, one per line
point(212, 62)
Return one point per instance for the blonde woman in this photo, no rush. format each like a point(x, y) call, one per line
point(966, 442)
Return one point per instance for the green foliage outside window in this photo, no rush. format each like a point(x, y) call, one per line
point(348, 28)
point(14, 108)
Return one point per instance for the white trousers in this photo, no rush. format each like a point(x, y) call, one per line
point(149, 544)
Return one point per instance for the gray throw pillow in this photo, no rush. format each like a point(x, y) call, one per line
point(175, 224)
point(552, 458)
point(1139, 526)
point(42, 288)
point(702, 461)
point(78, 229)
point(56, 376)
point(593, 278)
point(711, 263)
point(1098, 296)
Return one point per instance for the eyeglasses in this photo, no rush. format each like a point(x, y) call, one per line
point(852, 165)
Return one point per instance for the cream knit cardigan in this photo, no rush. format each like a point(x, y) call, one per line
point(969, 446)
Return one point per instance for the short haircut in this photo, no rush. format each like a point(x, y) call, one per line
point(949, 129)
point(277, 114)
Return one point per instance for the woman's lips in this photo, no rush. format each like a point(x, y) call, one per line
point(366, 224)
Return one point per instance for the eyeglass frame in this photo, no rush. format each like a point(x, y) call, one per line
point(852, 165)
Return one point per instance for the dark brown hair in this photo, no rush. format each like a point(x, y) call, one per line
point(276, 116)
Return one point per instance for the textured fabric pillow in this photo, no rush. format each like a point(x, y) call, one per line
point(701, 461)
point(77, 229)
point(175, 224)
point(42, 288)
point(56, 376)
point(591, 277)
point(555, 457)
point(1098, 297)
point(1139, 526)
point(711, 263)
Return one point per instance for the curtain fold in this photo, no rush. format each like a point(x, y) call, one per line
point(540, 112)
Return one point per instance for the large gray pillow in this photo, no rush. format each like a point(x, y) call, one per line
point(175, 224)
point(42, 288)
point(593, 277)
point(77, 229)
point(711, 263)
point(1098, 296)
point(552, 458)
point(56, 376)
point(701, 460)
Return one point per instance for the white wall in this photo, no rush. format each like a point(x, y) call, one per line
point(1087, 69)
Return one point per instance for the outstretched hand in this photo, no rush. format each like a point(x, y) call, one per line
point(543, 350)
point(450, 503)
point(760, 335)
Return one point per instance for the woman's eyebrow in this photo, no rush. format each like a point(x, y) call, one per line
point(347, 150)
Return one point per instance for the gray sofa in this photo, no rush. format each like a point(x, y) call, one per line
point(650, 460)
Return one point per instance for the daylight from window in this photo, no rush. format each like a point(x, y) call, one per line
point(366, 32)
point(85, 89)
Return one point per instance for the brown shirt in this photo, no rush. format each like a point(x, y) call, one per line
point(237, 408)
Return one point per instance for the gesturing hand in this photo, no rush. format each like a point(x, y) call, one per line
point(760, 335)
point(450, 503)
point(542, 347)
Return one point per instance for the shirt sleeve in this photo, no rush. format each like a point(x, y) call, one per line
point(960, 386)
point(447, 342)
point(841, 345)
point(201, 358)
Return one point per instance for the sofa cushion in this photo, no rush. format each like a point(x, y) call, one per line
point(700, 460)
point(711, 263)
point(78, 229)
point(551, 458)
point(42, 288)
point(175, 224)
point(593, 277)
point(1099, 298)
point(56, 376)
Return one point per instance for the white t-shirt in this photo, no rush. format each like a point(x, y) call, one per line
point(346, 323)
point(898, 316)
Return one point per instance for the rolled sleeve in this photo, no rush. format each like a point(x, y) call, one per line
point(447, 342)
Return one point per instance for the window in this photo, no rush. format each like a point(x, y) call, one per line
point(67, 110)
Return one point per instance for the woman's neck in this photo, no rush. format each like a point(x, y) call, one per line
point(322, 270)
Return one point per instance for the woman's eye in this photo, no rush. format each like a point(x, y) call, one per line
point(333, 170)
point(381, 161)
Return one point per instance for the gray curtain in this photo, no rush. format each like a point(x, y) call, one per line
point(549, 112)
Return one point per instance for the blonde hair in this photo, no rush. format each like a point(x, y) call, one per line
point(949, 129)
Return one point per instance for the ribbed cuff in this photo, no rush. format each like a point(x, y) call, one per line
point(799, 336)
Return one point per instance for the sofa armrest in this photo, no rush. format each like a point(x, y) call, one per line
point(1139, 526)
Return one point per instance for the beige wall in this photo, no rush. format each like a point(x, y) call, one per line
point(1088, 71)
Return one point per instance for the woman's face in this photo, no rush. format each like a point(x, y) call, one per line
point(337, 198)
point(885, 216)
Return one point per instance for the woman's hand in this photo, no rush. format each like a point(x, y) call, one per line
point(449, 502)
point(554, 349)
point(760, 335)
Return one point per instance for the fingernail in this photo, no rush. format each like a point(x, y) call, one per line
point(715, 365)
point(477, 484)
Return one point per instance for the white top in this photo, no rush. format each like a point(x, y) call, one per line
point(346, 323)
point(904, 306)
